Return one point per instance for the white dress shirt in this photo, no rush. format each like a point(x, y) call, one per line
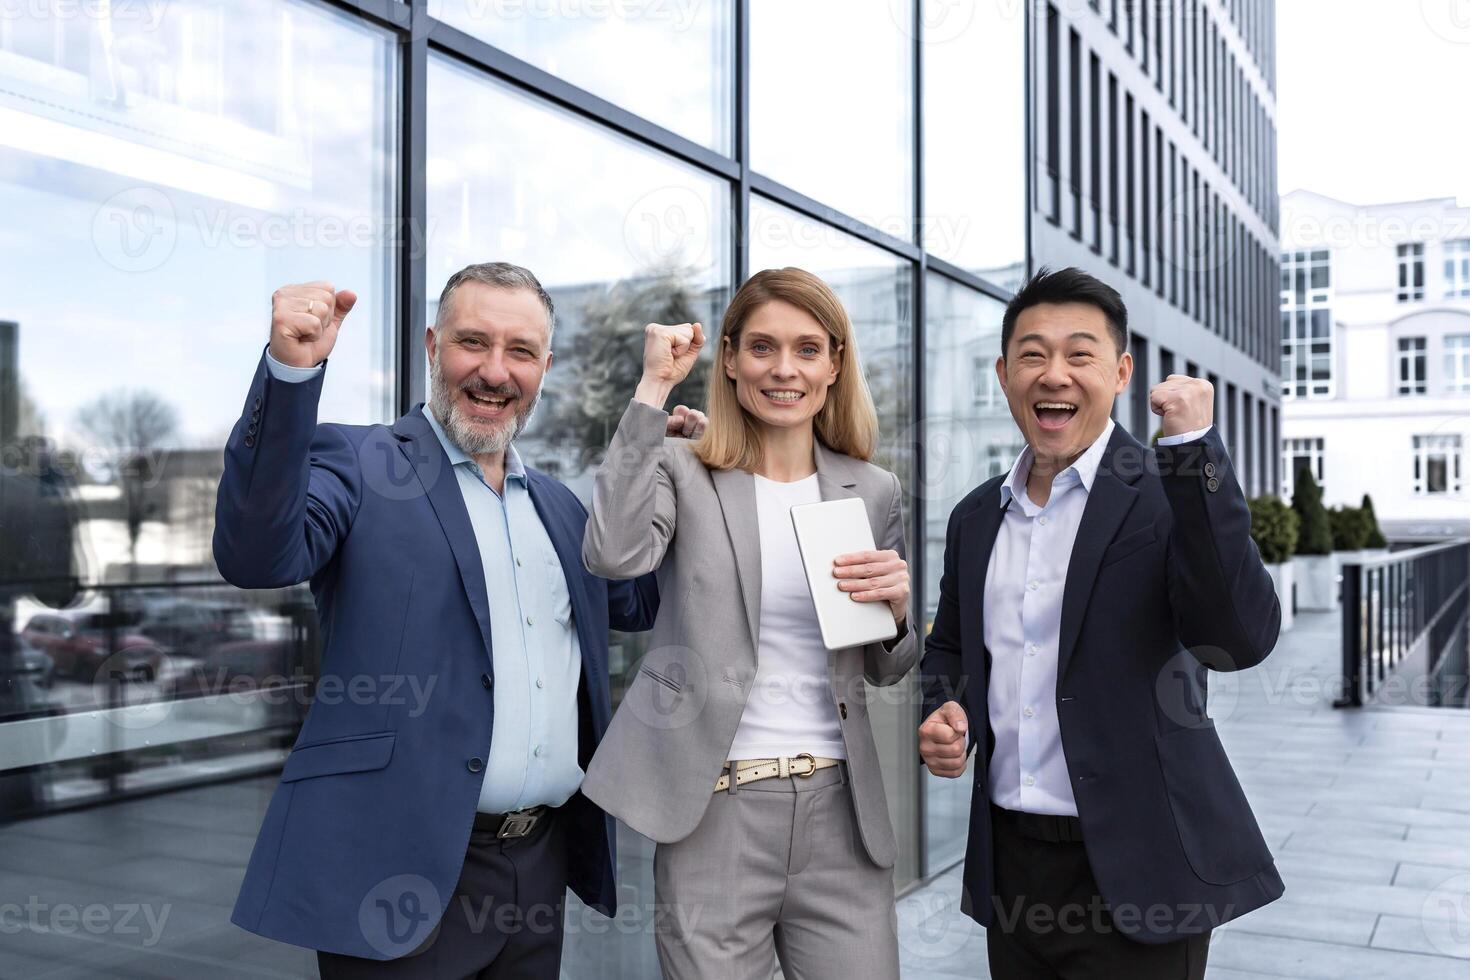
point(1023, 618)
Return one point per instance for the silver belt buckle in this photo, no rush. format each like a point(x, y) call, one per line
point(517, 825)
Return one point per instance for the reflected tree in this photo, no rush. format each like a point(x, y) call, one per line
point(605, 355)
point(134, 426)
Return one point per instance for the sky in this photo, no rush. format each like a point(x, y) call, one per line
point(1373, 98)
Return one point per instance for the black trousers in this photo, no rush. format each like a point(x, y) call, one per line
point(1050, 921)
point(504, 921)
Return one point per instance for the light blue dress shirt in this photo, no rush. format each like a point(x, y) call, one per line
point(537, 658)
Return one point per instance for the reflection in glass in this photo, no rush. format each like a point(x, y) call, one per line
point(647, 241)
point(876, 289)
point(975, 137)
point(831, 104)
point(669, 62)
point(163, 168)
point(969, 437)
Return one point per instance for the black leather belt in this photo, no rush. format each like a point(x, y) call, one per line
point(509, 826)
point(1055, 828)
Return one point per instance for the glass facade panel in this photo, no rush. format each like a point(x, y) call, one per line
point(668, 62)
point(974, 191)
point(835, 120)
point(969, 437)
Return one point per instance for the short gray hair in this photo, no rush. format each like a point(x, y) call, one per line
point(502, 275)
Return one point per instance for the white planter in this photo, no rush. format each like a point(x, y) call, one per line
point(1283, 576)
point(1316, 582)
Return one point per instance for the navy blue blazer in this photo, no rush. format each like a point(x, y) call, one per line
point(1164, 585)
point(377, 797)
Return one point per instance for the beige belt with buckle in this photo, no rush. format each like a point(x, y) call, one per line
point(802, 764)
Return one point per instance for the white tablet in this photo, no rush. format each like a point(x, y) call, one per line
point(823, 531)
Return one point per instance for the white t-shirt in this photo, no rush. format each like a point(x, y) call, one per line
point(790, 708)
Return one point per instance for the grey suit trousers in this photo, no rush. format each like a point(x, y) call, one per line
point(776, 870)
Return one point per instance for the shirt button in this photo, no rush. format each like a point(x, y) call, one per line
point(1033, 585)
point(1030, 780)
point(1028, 712)
point(540, 682)
point(530, 621)
point(1041, 520)
point(518, 563)
point(540, 751)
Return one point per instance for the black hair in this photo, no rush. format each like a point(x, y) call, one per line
point(1069, 285)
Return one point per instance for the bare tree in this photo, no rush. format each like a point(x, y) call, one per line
point(134, 425)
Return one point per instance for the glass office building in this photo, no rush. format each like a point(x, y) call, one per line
point(165, 166)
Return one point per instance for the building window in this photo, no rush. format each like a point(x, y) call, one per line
point(1306, 324)
point(1437, 464)
point(1411, 272)
point(1457, 362)
point(1296, 454)
point(1412, 360)
point(1457, 268)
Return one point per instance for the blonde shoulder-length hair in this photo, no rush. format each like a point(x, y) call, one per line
point(847, 423)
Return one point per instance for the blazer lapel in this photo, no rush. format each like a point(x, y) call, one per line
point(977, 540)
point(832, 475)
point(1108, 503)
point(421, 447)
point(736, 490)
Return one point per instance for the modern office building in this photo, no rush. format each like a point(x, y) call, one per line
point(1375, 346)
point(164, 167)
point(1155, 169)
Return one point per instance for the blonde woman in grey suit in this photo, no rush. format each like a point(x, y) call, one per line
point(742, 746)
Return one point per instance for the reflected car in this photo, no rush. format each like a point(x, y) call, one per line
point(79, 645)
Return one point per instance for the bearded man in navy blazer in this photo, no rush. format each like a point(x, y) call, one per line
point(1085, 597)
point(428, 820)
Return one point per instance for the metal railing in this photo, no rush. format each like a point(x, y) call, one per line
point(1401, 605)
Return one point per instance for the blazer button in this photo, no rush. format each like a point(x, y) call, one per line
point(1212, 484)
point(252, 430)
point(249, 442)
point(486, 680)
point(842, 708)
point(1209, 469)
point(257, 401)
point(476, 764)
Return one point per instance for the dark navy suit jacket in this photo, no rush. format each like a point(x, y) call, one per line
point(378, 795)
point(1164, 585)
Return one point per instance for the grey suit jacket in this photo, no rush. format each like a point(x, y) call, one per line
point(655, 506)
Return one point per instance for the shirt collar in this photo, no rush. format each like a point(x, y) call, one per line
point(1083, 468)
point(514, 468)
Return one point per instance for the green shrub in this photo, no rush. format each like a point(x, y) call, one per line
point(1314, 535)
point(1273, 528)
point(1375, 533)
point(1349, 528)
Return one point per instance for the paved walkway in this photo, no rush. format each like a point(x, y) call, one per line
point(1367, 812)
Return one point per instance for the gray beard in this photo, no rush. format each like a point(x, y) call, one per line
point(475, 439)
